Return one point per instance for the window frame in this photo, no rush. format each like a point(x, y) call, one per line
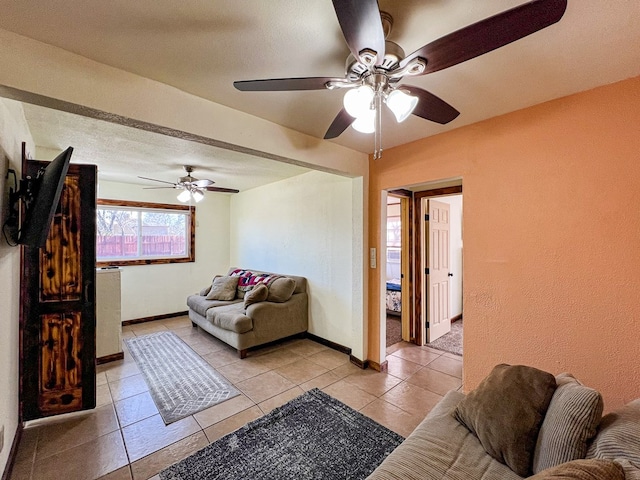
point(191, 233)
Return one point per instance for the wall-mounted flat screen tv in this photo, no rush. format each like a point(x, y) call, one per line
point(47, 189)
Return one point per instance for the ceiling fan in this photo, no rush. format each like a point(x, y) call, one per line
point(376, 66)
point(192, 187)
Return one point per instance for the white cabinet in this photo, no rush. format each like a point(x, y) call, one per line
point(108, 313)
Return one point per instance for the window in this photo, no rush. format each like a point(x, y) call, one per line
point(138, 233)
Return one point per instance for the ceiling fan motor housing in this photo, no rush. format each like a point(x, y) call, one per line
point(356, 70)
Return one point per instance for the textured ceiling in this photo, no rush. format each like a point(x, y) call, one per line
point(124, 153)
point(202, 47)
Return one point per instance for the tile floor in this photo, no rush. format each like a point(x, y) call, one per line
point(124, 438)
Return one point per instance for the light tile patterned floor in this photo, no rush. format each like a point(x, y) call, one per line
point(124, 438)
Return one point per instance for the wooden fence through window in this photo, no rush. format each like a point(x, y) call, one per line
point(126, 246)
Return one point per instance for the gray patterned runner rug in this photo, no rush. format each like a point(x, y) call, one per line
point(312, 436)
point(181, 382)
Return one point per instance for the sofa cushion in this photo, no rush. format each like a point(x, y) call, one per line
point(257, 294)
point(230, 317)
point(223, 288)
point(618, 439)
point(570, 422)
point(281, 290)
point(506, 412)
point(442, 448)
point(205, 291)
point(201, 305)
point(582, 470)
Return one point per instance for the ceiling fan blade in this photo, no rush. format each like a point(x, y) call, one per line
point(156, 180)
point(155, 188)
point(431, 107)
point(220, 189)
point(361, 26)
point(202, 183)
point(285, 84)
point(339, 124)
point(489, 34)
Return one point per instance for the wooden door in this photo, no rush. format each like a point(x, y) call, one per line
point(57, 318)
point(438, 259)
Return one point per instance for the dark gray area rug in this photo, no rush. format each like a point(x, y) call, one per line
point(314, 436)
point(452, 341)
point(180, 381)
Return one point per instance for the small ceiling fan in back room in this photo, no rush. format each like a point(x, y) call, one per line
point(376, 66)
point(191, 187)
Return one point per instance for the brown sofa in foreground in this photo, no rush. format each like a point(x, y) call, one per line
point(247, 308)
point(518, 424)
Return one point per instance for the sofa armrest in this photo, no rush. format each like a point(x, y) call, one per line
point(442, 448)
point(280, 319)
point(446, 405)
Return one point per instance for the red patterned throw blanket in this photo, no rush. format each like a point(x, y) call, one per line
point(248, 279)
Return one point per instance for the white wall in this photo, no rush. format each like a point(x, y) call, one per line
point(308, 225)
point(149, 290)
point(13, 131)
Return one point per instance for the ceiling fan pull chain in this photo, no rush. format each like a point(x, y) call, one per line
point(377, 134)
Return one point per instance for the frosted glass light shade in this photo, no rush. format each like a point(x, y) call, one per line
point(366, 122)
point(357, 101)
point(184, 196)
point(401, 104)
point(197, 196)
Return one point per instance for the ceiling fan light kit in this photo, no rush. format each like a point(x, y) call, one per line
point(366, 122)
point(190, 193)
point(401, 103)
point(358, 102)
point(197, 195)
point(376, 65)
point(184, 196)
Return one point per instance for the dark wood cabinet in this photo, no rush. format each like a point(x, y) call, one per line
point(57, 318)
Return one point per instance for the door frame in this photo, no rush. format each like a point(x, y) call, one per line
point(406, 290)
point(417, 332)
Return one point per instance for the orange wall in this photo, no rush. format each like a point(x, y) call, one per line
point(551, 236)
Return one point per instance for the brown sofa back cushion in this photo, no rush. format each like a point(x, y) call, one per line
point(506, 411)
point(618, 438)
point(256, 294)
point(281, 290)
point(569, 424)
point(223, 288)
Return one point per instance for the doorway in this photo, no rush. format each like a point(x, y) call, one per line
point(439, 265)
point(411, 232)
point(395, 306)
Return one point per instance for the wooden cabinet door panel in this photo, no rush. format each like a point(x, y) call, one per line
point(57, 360)
point(61, 363)
point(60, 259)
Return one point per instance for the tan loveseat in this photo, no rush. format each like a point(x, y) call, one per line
point(248, 322)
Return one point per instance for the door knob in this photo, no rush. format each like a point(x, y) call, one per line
point(450, 274)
